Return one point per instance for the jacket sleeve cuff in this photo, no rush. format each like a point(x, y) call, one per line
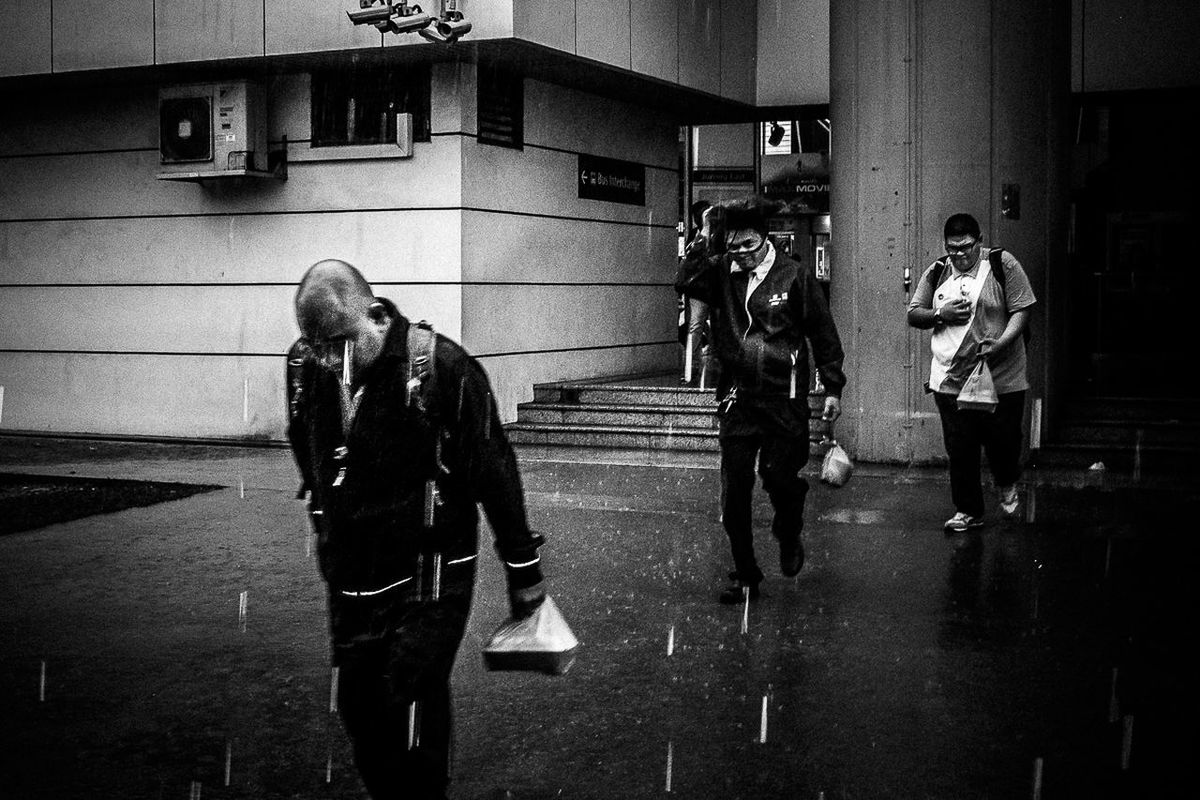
point(523, 574)
point(523, 565)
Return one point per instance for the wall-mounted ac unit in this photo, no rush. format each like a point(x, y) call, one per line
point(213, 130)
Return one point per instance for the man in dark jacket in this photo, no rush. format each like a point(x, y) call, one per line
point(765, 310)
point(397, 439)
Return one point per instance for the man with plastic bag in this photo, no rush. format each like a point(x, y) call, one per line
point(765, 310)
point(397, 439)
point(977, 302)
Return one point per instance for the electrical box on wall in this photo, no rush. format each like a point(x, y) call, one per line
point(214, 130)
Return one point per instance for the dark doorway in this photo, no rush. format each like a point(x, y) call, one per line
point(1135, 260)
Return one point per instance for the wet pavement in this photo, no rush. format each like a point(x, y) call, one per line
point(179, 650)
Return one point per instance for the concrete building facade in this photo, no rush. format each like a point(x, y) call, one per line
point(133, 306)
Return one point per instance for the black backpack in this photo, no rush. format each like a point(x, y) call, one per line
point(995, 258)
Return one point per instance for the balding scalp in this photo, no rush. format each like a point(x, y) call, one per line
point(328, 291)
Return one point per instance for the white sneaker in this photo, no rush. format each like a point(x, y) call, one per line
point(961, 522)
point(1009, 500)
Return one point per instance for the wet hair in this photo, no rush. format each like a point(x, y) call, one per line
point(961, 225)
point(749, 213)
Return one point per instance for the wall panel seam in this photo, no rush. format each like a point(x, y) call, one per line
point(326, 211)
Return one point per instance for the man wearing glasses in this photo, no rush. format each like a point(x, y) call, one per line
point(765, 311)
point(977, 302)
point(397, 440)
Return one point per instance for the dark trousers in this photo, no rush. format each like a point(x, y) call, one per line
point(966, 433)
point(401, 750)
point(776, 433)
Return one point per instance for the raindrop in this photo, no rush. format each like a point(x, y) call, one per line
point(1126, 741)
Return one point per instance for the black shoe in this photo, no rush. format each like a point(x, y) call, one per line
point(791, 556)
point(735, 593)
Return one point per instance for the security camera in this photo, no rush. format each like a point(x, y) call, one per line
point(400, 17)
point(390, 17)
point(446, 31)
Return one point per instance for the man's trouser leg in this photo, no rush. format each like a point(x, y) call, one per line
point(962, 432)
point(779, 465)
point(376, 695)
point(737, 489)
point(1002, 442)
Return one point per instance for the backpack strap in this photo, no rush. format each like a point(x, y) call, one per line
point(996, 257)
point(937, 270)
point(422, 343)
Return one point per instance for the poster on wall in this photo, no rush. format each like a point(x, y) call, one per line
point(800, 181)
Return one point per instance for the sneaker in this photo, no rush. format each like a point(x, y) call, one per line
point(1009, 500)
point(791, 556)
point(735, 593)
point(962, 522)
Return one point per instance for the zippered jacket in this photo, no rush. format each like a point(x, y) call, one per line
point(368, 490)
point(763, 343)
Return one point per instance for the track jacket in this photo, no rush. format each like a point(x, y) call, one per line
point(762, 342)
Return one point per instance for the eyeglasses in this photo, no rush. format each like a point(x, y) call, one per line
point(745, 244)
point(961, 249)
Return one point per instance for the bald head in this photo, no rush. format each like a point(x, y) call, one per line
point(335, 306)
point(330, 291)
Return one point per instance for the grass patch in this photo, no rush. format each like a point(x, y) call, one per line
point(34, 501)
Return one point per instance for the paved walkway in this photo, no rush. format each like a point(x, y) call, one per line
point(164, 651)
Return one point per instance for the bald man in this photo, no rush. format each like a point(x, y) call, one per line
point(395, 457)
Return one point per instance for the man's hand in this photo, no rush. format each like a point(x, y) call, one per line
point(523, 602)
point(833, 408)
point(697, 247)
point(956, 311)
point(990, 349)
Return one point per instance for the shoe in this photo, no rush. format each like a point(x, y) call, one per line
point(961, 522)
point(735, 593)
point(791, 556)
point(1009, 500)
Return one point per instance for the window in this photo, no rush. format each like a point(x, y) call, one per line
point(359, 105)
point(501, 107)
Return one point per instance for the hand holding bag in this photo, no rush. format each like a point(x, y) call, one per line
point(979, 392)
point(837, 467)
point(541, 642)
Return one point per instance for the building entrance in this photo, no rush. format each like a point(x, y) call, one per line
point(1135, 266)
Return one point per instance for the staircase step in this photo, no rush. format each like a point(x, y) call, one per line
point(612, 436)
point(616, 394)
point(627, 436)
point(1127, 432)
point(685, 418)
point(1149, 459)
point(1148, 409)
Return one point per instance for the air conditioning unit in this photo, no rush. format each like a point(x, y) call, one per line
point(212, 130)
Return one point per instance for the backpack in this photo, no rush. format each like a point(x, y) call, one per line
point(995, 258)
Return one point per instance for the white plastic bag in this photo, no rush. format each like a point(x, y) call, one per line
point(542, 642)
point(837, 467)
point(979, 392)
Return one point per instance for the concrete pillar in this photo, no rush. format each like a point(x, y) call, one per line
point(935, 106)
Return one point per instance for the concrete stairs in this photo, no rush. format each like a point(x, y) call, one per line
point(646, 414)
point(1127, 434)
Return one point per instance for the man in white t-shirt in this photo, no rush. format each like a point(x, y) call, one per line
point(977, 302)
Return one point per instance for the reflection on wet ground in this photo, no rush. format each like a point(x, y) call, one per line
point(180, 648)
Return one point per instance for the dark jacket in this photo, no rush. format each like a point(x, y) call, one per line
point(371, 526)
point(758, 351)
